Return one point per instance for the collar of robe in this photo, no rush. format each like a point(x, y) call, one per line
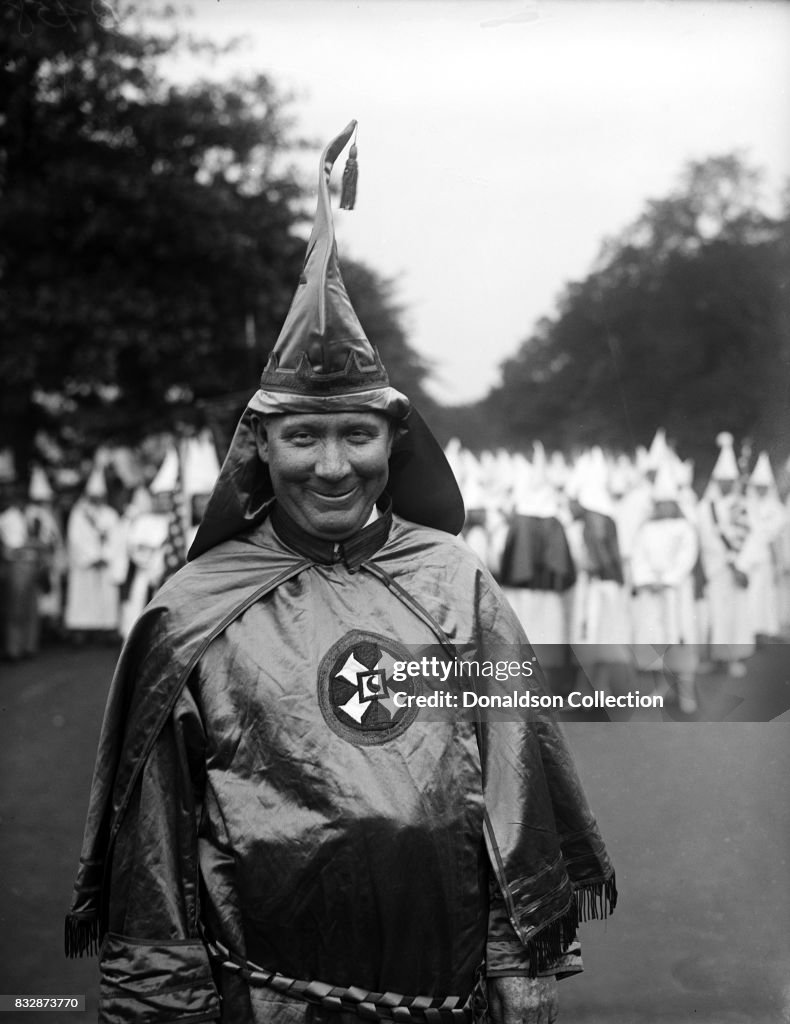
point(352, 552)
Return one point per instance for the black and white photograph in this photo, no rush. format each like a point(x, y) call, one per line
point(395, 511)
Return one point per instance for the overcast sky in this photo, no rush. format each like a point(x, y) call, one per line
point(500, 141)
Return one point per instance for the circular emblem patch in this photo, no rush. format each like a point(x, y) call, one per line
point(359, 698)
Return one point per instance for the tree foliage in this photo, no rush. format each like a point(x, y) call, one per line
point(143, 228)
point(382, 317)
point(152, 236)
point(683, 322)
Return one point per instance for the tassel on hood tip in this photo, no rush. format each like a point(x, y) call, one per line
point(348, 193)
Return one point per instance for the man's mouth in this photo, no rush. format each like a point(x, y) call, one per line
point(335, 496)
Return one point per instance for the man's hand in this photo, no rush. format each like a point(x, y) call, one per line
point(515, 1000)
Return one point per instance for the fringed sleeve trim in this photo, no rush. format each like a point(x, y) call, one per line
point(596, 901)
point(81, 936)
point(592, 901)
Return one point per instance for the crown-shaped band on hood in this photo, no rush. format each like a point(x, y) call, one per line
point(322, 360)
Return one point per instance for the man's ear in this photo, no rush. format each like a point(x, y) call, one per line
point(397, 431)
point(261, 439)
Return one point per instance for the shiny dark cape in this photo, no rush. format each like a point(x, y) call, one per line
point(600, 537)
point(543, 842)
point(536, 555)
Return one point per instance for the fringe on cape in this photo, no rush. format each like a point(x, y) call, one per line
point(81, 936)
point(590, 903)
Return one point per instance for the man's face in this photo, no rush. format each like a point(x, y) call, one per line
point(726, 487)
point(327, 469)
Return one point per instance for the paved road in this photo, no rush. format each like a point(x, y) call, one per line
point(696, 814)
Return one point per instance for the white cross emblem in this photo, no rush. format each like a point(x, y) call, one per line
point(370, 687)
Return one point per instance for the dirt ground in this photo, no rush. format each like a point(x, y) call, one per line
point(696, 816)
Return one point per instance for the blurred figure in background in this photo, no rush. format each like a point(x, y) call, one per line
point(728, 556)
point(200, 471)
point(537, 569)
point(92, 602)
point(768, 519)
point(783, 551)
point(663, 555)
point(145, 534)
point(636, 501)
point(601, 629)
point(19, 568)
point(45, 530)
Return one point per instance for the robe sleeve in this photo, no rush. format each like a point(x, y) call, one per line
point(538, 823)
point(506, 955)
point(154, 966)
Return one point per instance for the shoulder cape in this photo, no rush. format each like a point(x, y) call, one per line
point(553, 873)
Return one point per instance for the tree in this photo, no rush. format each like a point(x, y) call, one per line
point(381, 316)
point(682, 323)
point(148, 245)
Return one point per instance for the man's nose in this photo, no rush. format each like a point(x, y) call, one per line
point(333, 462)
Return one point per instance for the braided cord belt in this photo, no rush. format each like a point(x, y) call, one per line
point(366, 1005)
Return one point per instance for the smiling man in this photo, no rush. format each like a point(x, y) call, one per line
point(272, 837)
point(327, 469)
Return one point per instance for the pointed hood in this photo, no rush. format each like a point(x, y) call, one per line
point(762, 474)
point(201, 465)
point(323, 362)
point(96, 487)
point(40, 489)
point(166, 479)
point(323, 359)
point(726, 467)
point(592, 493)
point(666, 485)
point(658, 450)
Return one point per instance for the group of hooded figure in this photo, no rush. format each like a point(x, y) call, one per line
point(89, 573)
point(619, 557)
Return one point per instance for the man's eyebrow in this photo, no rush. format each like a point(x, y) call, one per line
point(290, 428)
